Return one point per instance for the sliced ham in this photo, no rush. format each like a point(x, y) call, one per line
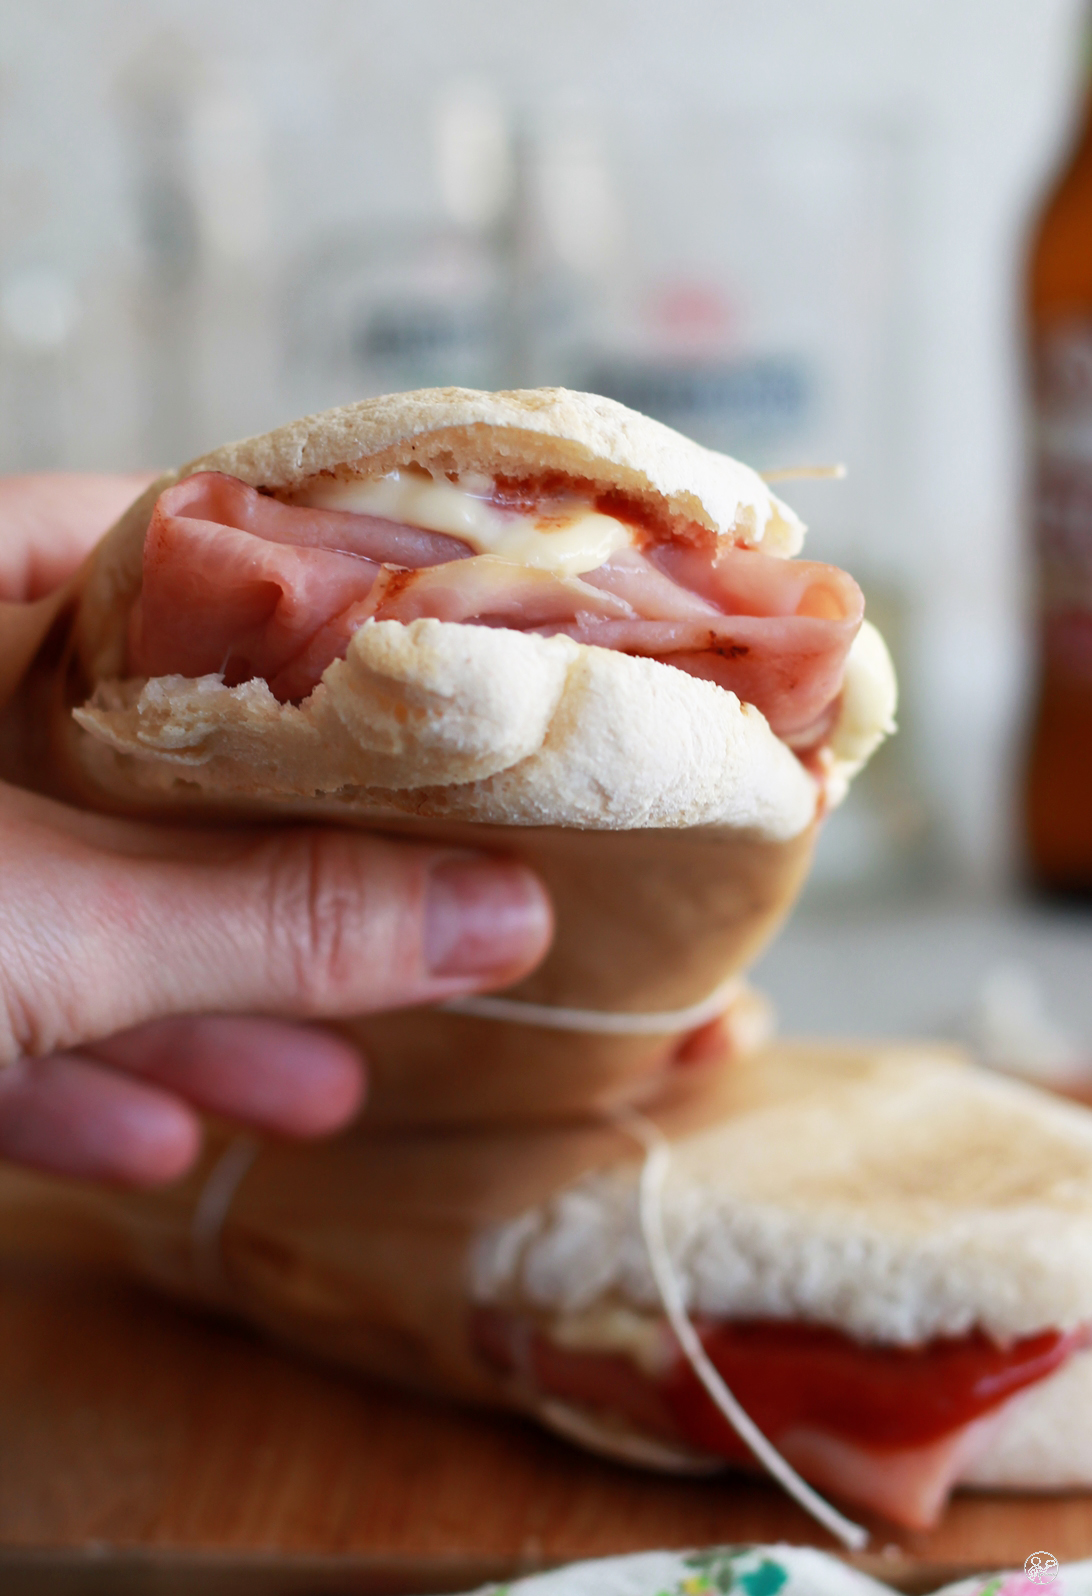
point(483, 591)
point(889, 1428)
point(239, 583)
point(910, 1485)
point(218, 599)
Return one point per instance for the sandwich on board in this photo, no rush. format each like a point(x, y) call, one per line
point(886, 1252)
point(535, 621)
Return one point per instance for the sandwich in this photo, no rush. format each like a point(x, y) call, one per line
point(885, 1252)
point(531, 621)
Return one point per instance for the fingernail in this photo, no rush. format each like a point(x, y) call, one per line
point(483, 917)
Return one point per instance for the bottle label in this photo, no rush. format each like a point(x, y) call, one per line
point(1062, 502)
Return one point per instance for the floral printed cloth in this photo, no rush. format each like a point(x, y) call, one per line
point(774, 1571)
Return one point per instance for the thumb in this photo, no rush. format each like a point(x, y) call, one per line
point(308, 923)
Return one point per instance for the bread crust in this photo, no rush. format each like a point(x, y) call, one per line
point(522, 433)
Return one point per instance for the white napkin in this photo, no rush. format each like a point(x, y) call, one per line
point(775, 1571)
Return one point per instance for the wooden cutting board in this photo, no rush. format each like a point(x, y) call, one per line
point(142, 1449)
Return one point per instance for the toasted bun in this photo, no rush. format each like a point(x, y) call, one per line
point(894, 1193)
point(470, 723)
point(528, 432)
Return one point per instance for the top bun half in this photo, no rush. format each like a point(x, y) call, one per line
point(523, 433)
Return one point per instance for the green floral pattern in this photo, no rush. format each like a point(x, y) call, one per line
point(729, 1568)
point(762, 1571)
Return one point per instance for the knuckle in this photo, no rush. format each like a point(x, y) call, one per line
point(44, 986)
point(18, 1026)
point(33, 1019)
point(72, 935)
point(329, 918)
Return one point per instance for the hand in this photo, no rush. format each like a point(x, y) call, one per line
point(133, 957)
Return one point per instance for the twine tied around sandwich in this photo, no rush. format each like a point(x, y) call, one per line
point(212, 1207)
point(601, 1022)
point(227, 1173)
point(668, 1288)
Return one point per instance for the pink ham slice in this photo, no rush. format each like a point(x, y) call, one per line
point(483, 591)
point(239, 583)
point(776, 632)
point(910, 1485)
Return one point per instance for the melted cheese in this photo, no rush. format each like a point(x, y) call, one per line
point(565, 536)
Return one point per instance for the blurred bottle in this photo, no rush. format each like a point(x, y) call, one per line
point(1058, 791)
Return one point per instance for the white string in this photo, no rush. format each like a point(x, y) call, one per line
point(653, 1174)
point(833, 473)
point(212, 1207)
point(599, 1021)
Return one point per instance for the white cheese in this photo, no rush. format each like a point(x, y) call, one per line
point(645, 1339)
point(565, 536)
point(866, 715)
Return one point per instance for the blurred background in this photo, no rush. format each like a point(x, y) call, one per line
point(795, 229)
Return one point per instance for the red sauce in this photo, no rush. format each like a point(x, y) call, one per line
point(787, 1374)
point(656, 523)
point(790, 1375)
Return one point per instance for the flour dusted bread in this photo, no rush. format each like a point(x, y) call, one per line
point(670, 824)
point(467, 723)
point(894, 1195)
point(520, 433)
point(893, 1192)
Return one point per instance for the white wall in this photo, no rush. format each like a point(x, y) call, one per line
point(981, 91)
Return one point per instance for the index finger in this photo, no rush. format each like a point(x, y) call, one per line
point(49, 522)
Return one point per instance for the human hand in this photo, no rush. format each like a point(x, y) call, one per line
point(134, 958)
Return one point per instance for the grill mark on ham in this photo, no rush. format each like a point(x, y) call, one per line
point(891, 1428)
point(239, 582)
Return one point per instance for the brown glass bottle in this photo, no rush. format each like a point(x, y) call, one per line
point(1058, 787)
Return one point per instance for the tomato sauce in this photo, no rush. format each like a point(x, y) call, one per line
point(653, 523)
point(885, 1396)
point(788, 1376)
